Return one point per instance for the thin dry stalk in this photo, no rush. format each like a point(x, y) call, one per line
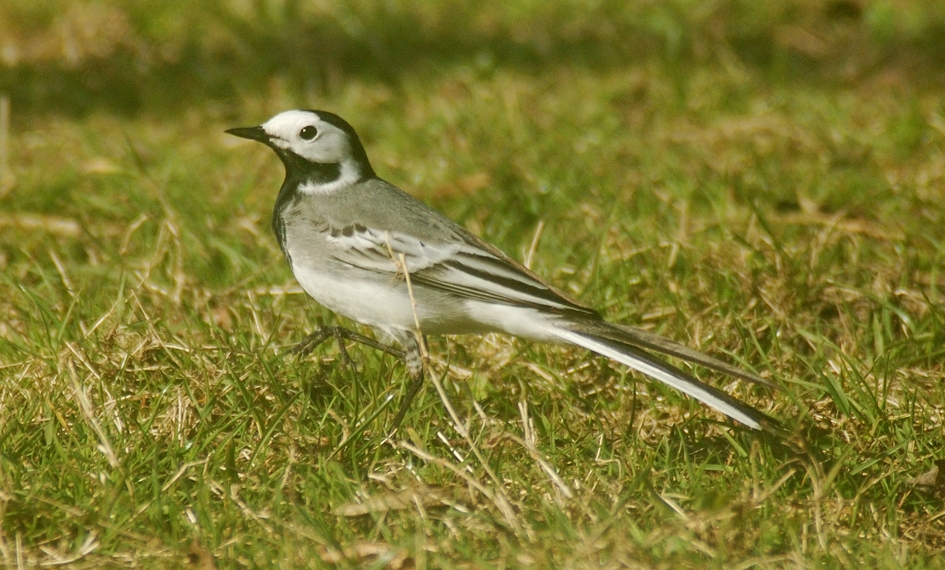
point(88, 412)
point(499, 496)
point(6, 177)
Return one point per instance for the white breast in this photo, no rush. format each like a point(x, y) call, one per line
point(387, 306)
point(374, 303)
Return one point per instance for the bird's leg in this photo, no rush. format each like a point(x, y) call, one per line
point(414, 362)
point(410, 354)
point(341, 334)
point(311, 342)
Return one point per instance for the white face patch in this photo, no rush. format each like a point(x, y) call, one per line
point(292, 130)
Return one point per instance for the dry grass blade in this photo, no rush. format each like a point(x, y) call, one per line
point(50, 224)
point(529, 443)
point(725, 174)
point(80, 393)
point(496, 497)
point(423, 496)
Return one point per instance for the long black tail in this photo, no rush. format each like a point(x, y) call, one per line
point(625, 345)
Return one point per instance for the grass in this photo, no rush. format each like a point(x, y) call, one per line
point(763, 181)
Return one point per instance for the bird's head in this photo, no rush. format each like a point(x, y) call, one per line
point(315, 146)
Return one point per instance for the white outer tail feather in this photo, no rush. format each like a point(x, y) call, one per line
point(681, 384)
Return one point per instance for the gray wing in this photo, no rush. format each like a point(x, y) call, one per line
point(463, 266)
point(441, 255)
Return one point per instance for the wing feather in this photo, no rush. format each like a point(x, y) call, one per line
point(467, 270)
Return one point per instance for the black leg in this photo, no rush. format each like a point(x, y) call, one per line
point(341, 334)
point(410, 354)
point(414, 361)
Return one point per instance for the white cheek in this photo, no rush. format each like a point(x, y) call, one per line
point(281, 143)
point(326, 148)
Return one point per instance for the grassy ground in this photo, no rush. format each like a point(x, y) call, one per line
point(762, 180)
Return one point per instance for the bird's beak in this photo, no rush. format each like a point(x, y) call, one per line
point(251, 133)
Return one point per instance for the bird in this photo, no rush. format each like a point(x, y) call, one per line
point(368, 251)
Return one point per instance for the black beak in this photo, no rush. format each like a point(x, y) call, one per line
point(251, 133)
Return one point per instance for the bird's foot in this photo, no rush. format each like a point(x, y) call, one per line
point(341, 334)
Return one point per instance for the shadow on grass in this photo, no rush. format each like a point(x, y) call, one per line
point(214, 53)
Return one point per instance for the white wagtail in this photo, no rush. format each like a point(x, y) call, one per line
point(367, 250)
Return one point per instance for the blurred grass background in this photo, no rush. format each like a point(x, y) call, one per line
point(762, 180)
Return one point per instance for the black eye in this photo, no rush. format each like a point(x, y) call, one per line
point(308, 133)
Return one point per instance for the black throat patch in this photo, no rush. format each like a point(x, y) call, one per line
point(300, 171)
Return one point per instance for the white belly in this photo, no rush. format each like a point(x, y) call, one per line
point(373, 303)
point(386, 305)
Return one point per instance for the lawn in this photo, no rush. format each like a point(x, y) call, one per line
point(763, 181)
